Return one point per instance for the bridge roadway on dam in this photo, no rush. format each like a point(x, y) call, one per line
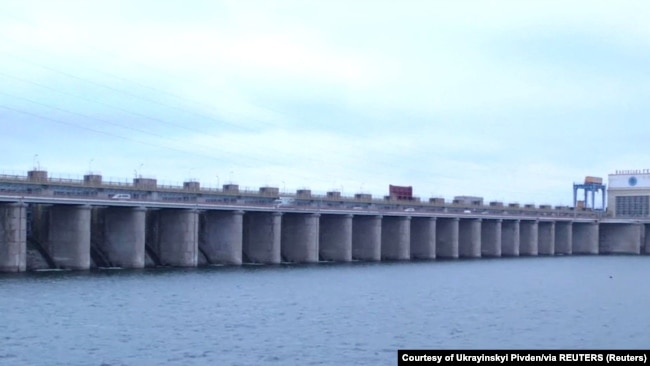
point(81, 233)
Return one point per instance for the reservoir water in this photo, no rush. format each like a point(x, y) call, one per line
point(325, 314)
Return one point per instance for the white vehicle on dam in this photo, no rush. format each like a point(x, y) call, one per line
point(284, 201)
point(121, 196)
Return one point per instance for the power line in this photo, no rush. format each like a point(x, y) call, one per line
point(99, 103)
point(67, 74)
point(83, 115)
point(357, 168)
point(155, 119)
point(109, 88)
point(103, 103)
point(129, 94)
point(117, 90)
point(158, 90)
point(60, 121)
point(102, 132)
point(55, 120)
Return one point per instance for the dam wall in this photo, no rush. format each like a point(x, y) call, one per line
point(221, 236)
point(335, 238)
point(118, 236)
point(469, 238)
point(13, 237)
point(396, 238)
point(81, 237)
point(447, 236)
point(585, 238)
point(546, 238)
point(299, 238)
point(366, 238)
point(491, 238)
point(423, 238)
point(620, 238)
point(528, 237)
point(510, 237)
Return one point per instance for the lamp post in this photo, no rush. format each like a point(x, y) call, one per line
point(138, 171)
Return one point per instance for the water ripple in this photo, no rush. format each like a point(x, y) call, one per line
point(321, 315)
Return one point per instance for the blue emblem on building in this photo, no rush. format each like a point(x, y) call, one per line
point(632, 181)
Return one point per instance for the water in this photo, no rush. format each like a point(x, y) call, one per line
point(356, 314)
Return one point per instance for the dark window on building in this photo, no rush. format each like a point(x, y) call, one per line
point(632, 206)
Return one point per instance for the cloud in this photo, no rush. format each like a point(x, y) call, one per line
point(509, 100)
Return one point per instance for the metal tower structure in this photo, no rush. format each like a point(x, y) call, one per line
point(593, 185)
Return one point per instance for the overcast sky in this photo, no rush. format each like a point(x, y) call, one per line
point(509, 100)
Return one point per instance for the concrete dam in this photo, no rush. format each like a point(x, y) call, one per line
point(80, 225)
point(80, 237)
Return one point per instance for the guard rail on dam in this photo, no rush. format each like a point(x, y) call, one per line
point(42, 229)
point(93, 186)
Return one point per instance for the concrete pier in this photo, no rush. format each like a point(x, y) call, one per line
point(585, 237)
point(528, 237)
point(620, 238)
point(510, 238)
point(68, 236)
point(469, 238)
point(546, 237)
point(564, 237)
point(299, 238)
point(646, 239)
point(121, 236)
point(262, 237)
point(366, 238)
point(423, 237)
point(335, 238)
point(396, 238)
point(447, 237)
point(13, 237)
point(178, 241)
point(491, 238)
point(221, 236)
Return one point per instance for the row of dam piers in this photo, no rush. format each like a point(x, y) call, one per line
point(81, 237)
